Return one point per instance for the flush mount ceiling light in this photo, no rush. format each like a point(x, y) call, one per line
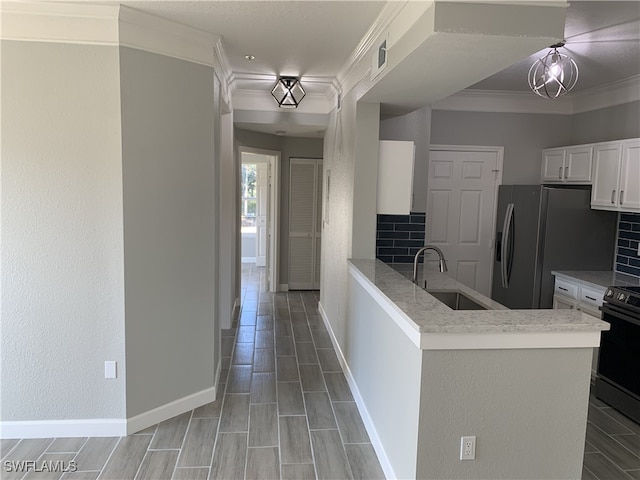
point(288, 92)
point(554, 74)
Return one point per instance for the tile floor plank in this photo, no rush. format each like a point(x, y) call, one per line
point(263, 388)
point(312, 379)
point(126, 458)
point(243, 354)
point(213, 409)
point(328, 360)
point(306, 353)
point(170, 433)
point(330, 458)
point(198, 443)
point(94, 454)
point(301, 471)
point(264, 361)
point(284, 345)
point(263, 425)
point(229, 457)
point(364, 462)
point(294, 440)
point(191, 474)
point(66, 445)
point(80, 476)
point(262, 464)
point(603, 468)
point(290, 400)
point(264, 322)
point(287, 369)
point(623, 419)
point(25, 450)
point(246, 334)
point(613, 450)
point(239, 379)
point(635, 474)
point(264, 339)
point(283, 328)
point(158, 465)
point(349, 423)
point(51, 466)
point(301, 332)
point(319, 411)
point(605, 422)
point(6, 445)
point(235, 413)
point(338, 387)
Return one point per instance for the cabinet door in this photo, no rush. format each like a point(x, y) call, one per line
point(578, 163)
point(629, 196)
point(561, 303)
point(552, 165)
point(395, 177)
point(606, 172)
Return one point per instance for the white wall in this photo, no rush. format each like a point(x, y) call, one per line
point(523, 136)
point(168, 152)
point(62, 234)
point(415, 127)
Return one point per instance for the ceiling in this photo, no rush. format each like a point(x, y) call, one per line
point(315, 38)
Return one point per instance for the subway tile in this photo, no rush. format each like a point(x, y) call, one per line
point(385, 258)
point(394, 234)
point(409, 227)
point(393, 251)
point(629, 235)
point(629, 270)
point(382, 218)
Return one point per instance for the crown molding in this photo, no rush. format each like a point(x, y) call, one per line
point(76, 23)
point(388, 13)
point(260, 100)
point(616, 93)
point(503, 102)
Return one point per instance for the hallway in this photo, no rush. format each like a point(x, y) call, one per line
point(286, 411)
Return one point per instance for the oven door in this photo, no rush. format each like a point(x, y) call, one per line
point(619, 361)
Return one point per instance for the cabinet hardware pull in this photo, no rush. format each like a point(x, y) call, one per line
point(621, 196)
point(590, 298)
point(564, 289)
point(560, 173)
point(613, 196)
point(566, 172)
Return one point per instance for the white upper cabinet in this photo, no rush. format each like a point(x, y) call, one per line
point(395, 177)
point(567, 164)
point(616, 182)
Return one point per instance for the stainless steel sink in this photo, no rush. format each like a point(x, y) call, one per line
point(457, 301)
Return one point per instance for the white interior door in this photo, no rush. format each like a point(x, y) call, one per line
point(461, 205)
point(262, 214)
point(305, 183)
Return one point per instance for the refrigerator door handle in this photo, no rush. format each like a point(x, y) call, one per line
point(506, 231)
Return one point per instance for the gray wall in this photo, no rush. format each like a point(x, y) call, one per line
point(62, 248)
point(523, 136)
point(416, 127)
point(168, 157)
point(290, 147)
point(612, 123)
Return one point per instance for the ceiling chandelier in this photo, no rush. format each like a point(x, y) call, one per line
point(288, 92)
point(554, 74)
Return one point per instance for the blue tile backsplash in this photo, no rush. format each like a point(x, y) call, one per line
point(627, 258)
point(399, 237)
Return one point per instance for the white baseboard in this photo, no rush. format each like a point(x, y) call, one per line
point(364, 413)
point(107, 427)
point(90, 427)
point(284, 287)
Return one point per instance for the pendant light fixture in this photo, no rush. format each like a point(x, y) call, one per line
point(288, 92)
point(554, 74)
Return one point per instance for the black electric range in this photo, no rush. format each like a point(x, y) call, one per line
point(618, 379)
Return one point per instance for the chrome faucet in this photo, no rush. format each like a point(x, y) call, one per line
point(443, 262)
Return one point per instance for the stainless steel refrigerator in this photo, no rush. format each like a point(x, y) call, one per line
point(540, 229)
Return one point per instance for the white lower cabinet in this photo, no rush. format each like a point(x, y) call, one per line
point(573, 294)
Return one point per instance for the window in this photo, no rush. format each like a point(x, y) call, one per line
point(248, 203)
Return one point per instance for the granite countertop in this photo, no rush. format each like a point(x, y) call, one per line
point(600, 280)
point(426, 314)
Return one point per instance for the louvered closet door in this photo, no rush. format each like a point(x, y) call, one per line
point(304, 240)
point(318, 223)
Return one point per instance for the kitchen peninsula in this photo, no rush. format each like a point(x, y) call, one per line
point(426, 375)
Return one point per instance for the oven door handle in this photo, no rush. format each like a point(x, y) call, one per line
point(618, 313)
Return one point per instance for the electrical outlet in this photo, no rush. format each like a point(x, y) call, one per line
point(467, 448)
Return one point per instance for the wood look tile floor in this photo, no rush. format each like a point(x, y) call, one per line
point(284, 411)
